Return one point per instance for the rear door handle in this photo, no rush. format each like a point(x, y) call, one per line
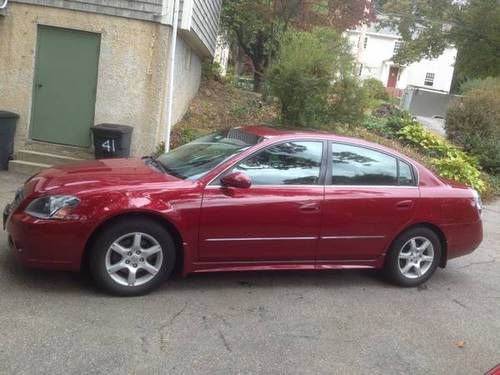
point(403, 205)
point(309, 207)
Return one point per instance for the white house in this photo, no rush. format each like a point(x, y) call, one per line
point(374, 50)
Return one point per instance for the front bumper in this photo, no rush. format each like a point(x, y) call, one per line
point(48, 244)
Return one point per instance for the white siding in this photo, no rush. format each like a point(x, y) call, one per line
point(143, 9)
point(206, 21)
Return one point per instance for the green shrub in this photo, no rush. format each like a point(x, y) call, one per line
point(388, 122)
point(210, 70)
point(448, 160)
point(375, 89)
point(473, 122)
point(346, 101)
point(490, 83)
point(312, 79)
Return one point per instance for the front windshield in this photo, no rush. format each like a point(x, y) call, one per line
point(196, 158)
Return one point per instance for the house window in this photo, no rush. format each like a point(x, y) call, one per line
point(429, 79)
point(365, 43)
point(397, 46)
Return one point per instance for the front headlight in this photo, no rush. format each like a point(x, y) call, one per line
point(52, 207)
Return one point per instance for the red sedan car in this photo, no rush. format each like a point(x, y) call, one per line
point(250, 198)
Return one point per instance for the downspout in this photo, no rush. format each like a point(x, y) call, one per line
point(4, 4)
point(170, 98)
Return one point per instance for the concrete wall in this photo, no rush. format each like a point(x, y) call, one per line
point(187, 78)
point(133, 70)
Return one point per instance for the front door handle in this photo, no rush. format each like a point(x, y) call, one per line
point(404, 205)
point(309, 207)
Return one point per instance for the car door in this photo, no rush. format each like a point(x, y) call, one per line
point(369, 197)
point(276, 219)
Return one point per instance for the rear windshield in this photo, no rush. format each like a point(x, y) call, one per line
point(196, 158)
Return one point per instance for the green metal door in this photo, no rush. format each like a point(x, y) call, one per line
point(65, 86)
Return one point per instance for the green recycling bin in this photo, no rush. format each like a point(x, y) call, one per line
point(8, 121)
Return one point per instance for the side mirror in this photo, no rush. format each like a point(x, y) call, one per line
point(237, 180)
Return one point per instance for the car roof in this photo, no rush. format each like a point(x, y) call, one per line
point(269, 133)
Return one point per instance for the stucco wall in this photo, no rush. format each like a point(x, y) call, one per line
point(187, 78)
point(132, 78)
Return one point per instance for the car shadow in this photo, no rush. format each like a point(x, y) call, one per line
point(16, 275)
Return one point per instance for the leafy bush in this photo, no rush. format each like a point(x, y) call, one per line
point(211, 70)
point(448, 160)
point(473, 122)
point(490, 83)
point(312, 79)
point(346, 101)
point(375, 89)
point(388, 120)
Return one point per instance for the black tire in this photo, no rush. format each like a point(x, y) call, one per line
point(149, 231)
point(394, 266)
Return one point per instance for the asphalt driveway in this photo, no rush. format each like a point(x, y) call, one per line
point(273, 322)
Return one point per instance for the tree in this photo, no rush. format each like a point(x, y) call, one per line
point(428, 27)
point(257, 26)
point(313, 79)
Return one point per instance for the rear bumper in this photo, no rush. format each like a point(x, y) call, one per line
point(48, 244)
point(463, 239)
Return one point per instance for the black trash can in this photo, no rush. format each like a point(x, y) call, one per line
point(112, 140)
point(8, 121)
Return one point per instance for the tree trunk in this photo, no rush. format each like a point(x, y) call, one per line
point(257, 81)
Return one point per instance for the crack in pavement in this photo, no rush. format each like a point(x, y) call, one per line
point(224, 341)
point(171, 320)
point(492, 260)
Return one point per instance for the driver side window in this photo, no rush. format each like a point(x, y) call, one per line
point(289, 163)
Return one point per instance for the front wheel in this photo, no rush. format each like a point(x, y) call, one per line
point(132, 256)
point(413, 257)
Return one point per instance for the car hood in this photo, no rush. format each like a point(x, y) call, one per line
point(96, 175)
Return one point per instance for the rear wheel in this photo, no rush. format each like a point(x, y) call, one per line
point(132, 256)
point(413, 257)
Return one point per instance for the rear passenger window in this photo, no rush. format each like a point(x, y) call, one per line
point(405, 174)
point(354, 165)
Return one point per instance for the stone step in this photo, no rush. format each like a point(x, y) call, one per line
point(56, 149)
point(26, 167)
point(44, 158)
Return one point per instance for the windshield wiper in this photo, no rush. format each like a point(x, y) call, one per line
point(155, 163)
point(162, 167)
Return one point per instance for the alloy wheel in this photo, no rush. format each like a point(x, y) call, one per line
point(134, 259)
point(416, 257)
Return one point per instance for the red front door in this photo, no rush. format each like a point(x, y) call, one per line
point(277, 218)
point(393, 76)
